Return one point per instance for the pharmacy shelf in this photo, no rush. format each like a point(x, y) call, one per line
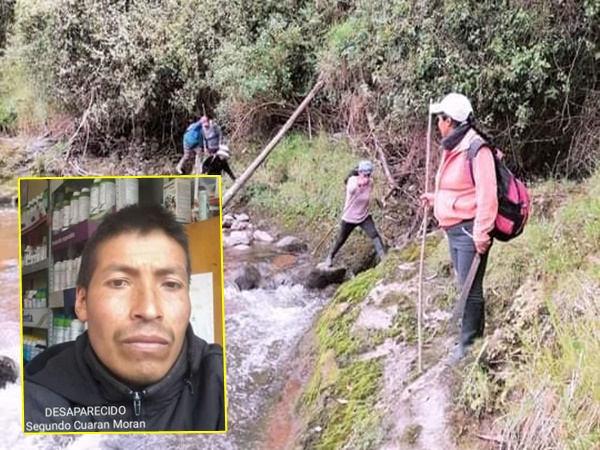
point(36, 318)
point(36, 267)
point(34, 226)
point(62, 299)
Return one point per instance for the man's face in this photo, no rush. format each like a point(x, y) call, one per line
point(137, 305)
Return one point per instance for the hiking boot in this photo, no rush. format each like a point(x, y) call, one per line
point(457, 354)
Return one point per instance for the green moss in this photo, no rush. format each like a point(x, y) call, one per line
point(325, 375)
point(350, 415)
point(335, 334)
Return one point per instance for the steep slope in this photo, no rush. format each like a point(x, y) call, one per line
point(532, 383)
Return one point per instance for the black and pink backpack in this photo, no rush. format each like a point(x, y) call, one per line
point(513, 197)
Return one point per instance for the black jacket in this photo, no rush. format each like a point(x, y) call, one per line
point(69, 375)
point(215, 166)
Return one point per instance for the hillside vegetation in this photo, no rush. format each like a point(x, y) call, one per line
point(531, 384)
point(142, 70)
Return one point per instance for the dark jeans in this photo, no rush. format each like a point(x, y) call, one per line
point(367, 225)
point(462, 252)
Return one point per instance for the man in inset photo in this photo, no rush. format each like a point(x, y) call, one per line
point(139, 366)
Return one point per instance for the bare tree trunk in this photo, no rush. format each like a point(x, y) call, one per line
point(379, 150)
point(271, 145)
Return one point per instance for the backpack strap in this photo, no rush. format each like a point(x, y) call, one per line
point(474, 148)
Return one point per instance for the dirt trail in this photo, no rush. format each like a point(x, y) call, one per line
point(417, 417)
point(414, 406)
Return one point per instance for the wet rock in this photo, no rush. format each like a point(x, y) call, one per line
point(321, 277)
point(247, 277)
point(263, 236)
point(241, 226)
point(227, 220)
point(8, 201)
point(242, 247)
point(242, 217)
point(9, 372)
point(237, 238)
point(291, 244)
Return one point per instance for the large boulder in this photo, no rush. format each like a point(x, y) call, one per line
point(241, 225)
point(9, 372)
point(263, 236)
point(228, 220)
point(291, 244)
point(247, 277)
point(237, 238)
point(242, 217)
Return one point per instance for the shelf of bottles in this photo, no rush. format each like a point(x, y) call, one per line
point(34, 268)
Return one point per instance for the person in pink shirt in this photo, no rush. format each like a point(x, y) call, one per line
point(356, 211)
point(465, 204)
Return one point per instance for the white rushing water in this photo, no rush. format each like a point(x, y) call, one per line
point(262, 329)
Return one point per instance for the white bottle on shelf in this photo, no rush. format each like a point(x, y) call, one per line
point(57, 217)
point(74, 219)
point(27, 255)
point(84, 205)
point(128, 192)
point(66, 214)
point(107, 195)
point(61, 276)
point(95, 197)
point(44, 248)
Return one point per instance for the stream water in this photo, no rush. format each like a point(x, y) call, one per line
point(262, 328)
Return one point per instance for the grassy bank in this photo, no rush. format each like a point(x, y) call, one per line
point(539, 377)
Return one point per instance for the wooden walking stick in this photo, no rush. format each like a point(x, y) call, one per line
point(422, 258)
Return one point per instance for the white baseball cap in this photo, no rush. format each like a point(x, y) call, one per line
point(454, 105)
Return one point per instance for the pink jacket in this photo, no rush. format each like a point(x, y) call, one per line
point(356, 208)
point(457, 199)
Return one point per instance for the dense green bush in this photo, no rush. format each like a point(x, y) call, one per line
point(144, 69)
point(527, 66)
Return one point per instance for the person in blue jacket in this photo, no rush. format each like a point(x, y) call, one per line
point(201, 135)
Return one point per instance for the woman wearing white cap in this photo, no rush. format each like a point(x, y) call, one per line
point(356, 211)
point(465, 204)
